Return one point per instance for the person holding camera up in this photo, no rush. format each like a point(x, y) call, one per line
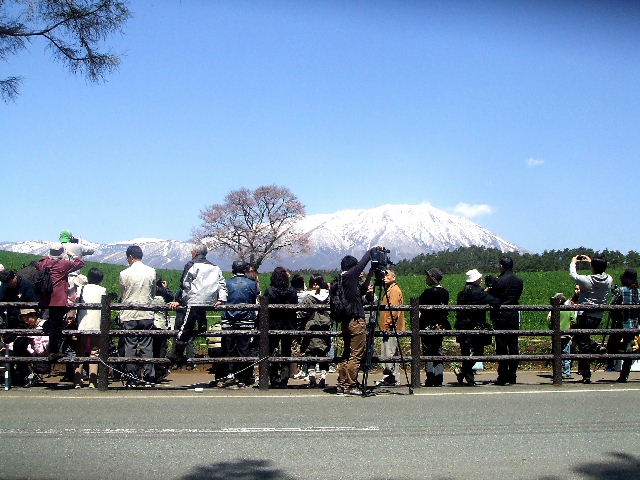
point(508, 289)
point(347, 290)
point(594, 290)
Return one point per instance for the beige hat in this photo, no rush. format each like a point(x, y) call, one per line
point(473, 276)
point(27, 311)
point(78, 280)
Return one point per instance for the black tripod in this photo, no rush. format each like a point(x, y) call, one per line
point(367, 363)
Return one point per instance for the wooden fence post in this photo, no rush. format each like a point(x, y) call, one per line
point(416, 345)
point(556, 342)
point(263, 351)
point(104, 343)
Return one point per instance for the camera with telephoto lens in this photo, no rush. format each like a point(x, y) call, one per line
point(379, 262)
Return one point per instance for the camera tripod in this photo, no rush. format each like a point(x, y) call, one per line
point(367, 363)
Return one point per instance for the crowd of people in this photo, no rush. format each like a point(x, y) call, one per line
point(57, 285)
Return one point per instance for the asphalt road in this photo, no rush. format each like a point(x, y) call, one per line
point(588, 432)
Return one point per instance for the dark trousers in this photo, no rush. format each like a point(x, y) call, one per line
point(142, 343)
point(233, 346)
point(160, 351)
point(507, 345)
point(626, 364)
point(53, 327)
point(279, 372)
point(435, 370)
point(584, 343)
point(470, 346)
point(195, 316)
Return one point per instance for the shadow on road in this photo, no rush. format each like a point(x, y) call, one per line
point(239, 470)
point(622, 466)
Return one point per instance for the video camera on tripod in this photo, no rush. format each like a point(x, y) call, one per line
point(379, 262)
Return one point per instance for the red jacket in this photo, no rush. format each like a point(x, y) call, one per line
point(60, 269)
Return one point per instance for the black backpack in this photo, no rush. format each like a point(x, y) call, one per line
point(41, 279)
point(341, 308)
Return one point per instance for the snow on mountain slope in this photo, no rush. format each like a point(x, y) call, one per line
point(406, 230)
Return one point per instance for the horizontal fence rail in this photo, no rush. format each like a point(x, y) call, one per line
point(262, 333)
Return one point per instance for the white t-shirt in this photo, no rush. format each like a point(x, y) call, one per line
point(90, 319)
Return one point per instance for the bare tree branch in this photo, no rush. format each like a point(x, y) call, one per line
point(72, 29)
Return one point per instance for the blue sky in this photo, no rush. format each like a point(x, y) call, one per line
point(523, 115)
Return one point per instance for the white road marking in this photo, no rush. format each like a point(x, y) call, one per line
point(462, 391)
point(174, 431)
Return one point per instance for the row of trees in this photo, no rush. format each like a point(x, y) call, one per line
point(485, 259)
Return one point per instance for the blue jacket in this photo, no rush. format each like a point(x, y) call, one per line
point(240, 290)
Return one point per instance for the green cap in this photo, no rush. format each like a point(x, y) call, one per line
point(65, 236)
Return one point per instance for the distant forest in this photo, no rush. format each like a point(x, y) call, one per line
point(486, 260)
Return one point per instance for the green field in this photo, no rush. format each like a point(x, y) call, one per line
point(539, 286)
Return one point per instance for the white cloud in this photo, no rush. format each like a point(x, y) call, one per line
point(470, 211)
point(534, 162)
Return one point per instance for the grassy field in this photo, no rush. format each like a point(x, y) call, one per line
point(539, 286)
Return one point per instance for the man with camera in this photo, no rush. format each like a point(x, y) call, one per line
point(354, 327)
point(594, 290)
point(507, 288)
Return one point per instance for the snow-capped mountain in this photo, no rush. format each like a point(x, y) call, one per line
point(158, 253)
point(406, 230)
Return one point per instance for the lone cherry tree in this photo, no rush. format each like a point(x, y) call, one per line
point(254, 224)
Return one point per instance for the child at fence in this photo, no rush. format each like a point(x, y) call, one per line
point(567, 321)
point(87, 344)
point(26, 374)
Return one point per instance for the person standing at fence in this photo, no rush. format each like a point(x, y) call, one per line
point(594, 290)
point(280, 292)
point(316, 321)
point(508, 289)
point(87, 345)
point(472, 345)
point(391, 322)
point(354, 327)
point(161, 322)
point(137, 286)
point(57, 301)
point(298, 371)
point(202, 286)
point(628, 294)
point(436, 294)
point(240, 290)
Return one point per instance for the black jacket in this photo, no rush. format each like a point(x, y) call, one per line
point(24, 292)
point(473, 295)
point(282, 319)
point(507, 288)
point(430, 318)
point(352, 291)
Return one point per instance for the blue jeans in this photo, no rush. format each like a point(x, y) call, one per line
point(566, 364)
